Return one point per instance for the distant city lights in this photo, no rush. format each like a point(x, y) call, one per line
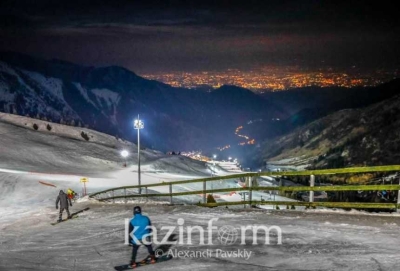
point(277, 78)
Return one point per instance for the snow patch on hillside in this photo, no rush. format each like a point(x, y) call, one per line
point(84, 93)
point(109, 97)
point(36, 90)
point(4, 67)
point(52, 85)
point(111, 100)
point(8, 70)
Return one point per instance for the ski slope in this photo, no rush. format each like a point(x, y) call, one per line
point(311, 240)
point(95, 240)
point(61, 157)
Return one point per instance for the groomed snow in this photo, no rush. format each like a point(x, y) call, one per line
point(95, 240)
point(311, 240)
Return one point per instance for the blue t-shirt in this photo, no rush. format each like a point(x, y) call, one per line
point(141, 226)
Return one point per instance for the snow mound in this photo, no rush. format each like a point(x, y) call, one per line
point(87, 199)
point(351, 212)
point(142, 202)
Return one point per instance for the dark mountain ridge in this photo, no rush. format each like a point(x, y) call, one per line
point(351, 137)
point(330, 99)
point(109, 98)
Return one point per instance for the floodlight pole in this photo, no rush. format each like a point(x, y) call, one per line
point(138, 124)
point(138, 152)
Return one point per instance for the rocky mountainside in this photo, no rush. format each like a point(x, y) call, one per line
point(325, 99)
point(352, 137)
point(311, 103)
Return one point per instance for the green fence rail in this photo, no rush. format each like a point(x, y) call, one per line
point(249, 176)
point(361, 205)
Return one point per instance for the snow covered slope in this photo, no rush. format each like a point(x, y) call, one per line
point(95, 240)
point(61, 156)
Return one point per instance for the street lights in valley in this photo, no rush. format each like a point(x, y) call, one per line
point(124, 154)
point(138, 124)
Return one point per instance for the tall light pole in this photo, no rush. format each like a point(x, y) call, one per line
point(138, 124)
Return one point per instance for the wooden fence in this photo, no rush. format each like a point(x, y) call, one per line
point(110, 194)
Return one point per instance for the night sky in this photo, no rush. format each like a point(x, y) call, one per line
point(201, 35)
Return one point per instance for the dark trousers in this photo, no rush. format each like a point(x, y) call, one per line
point(61, 211)
point(135, 249)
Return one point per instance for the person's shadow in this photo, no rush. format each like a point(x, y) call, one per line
point(165, 247)
point(80, 211)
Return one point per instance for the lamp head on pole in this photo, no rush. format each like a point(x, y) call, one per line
point(138, 124)
point(124, 153)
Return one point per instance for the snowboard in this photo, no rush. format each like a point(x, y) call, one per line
point(55, 223)
point(143, 263)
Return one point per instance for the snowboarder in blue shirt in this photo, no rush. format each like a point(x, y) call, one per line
point(140, 229)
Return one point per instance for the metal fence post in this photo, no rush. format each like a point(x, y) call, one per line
point(204, 192)
point(125, 195)
point(244, 200)
point(250, 189)
point(145, 190)
point(312, 182)
point(113, 196)
point(170, 194)
point(398, 199)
